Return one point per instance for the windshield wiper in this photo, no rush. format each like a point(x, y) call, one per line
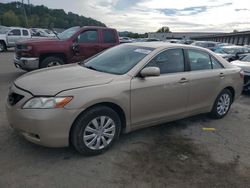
point(90, 67)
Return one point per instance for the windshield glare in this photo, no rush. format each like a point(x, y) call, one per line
point(118, 60)
point(68, 33)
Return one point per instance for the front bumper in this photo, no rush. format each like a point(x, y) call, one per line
point(27, 63)
point(46, 127)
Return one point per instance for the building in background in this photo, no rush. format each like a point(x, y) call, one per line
point(238, 38)
point(179, 35)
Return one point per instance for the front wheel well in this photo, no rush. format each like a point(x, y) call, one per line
point(113, 106)
point(58, 55)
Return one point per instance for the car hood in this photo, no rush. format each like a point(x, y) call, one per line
point(245, 66)
point(51, 81)
point(3, 36)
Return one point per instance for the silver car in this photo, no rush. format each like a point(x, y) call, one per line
point(127, 87)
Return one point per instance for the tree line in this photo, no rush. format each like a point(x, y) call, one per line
point(13, 14)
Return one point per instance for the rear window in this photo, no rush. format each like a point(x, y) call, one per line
point(109, 36)
point(25, 33)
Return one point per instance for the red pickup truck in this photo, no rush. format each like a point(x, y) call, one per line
point(73, 45)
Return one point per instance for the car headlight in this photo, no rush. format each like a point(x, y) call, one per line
point(47, 102)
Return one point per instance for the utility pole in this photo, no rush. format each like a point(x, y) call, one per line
point(25, 15)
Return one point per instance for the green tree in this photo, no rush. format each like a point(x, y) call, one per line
point(9, 18)
point(163, 30)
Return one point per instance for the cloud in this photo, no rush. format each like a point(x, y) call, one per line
point(149, 15)
point(190, 10)
point(241, 9)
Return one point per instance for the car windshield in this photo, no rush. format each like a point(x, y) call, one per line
point(246, 58)
point(118, 60)
point(4, 30)
point(68, 33)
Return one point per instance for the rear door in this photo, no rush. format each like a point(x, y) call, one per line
point(109, 39)
point(155, 99)
point(25, 34)
point(205, 79)
point(13, 36)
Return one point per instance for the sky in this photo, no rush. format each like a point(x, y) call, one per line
point(149, 15)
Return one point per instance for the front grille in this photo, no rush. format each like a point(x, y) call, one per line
point(14, 98)
point(19, 47)
point(17, 56)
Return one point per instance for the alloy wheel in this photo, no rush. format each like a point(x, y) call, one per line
point(223, 104)
point(99, 133)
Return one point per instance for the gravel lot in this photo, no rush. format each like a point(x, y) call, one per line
point(177, 154)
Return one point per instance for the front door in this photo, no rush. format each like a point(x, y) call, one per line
point(155, 99)
point(13, 36)
point(87, 45)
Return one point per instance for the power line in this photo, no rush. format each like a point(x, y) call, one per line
point(25, 15)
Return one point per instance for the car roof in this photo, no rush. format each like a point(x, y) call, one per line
point(18, 28)
point(161, 44)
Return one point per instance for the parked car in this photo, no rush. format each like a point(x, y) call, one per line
point(148, 40)
point(244, 64)
point(73, 45)
point(50, 32)
point(174, 41)
point(125, 40)
point(37, 32)
point(10, 35)
point(122, 89)
point(232, 53)
point(206, 44)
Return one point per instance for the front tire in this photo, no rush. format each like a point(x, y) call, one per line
point(51, 62)
point(95, 131)
point(222, 104)
point(2, 46)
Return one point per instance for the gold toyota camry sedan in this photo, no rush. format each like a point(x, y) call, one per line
point(130, 86)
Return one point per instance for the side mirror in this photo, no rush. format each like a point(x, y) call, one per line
point(75, 47)
point(150, 71)
point(10, 34)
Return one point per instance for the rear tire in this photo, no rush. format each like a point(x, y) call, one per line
point(95, 131)
point(2, 46)
point(51, 62)
point(222, 104)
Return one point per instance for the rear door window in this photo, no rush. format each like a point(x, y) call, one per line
point(109, 36)
point(216, 64)
point(199, 60)
point(25, 33)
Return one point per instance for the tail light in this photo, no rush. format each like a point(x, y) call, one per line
point(242, 74)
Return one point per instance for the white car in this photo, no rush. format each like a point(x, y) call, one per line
point(244, 64)
point(10, 35)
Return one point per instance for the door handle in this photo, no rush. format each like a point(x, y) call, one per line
point(183, 80)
